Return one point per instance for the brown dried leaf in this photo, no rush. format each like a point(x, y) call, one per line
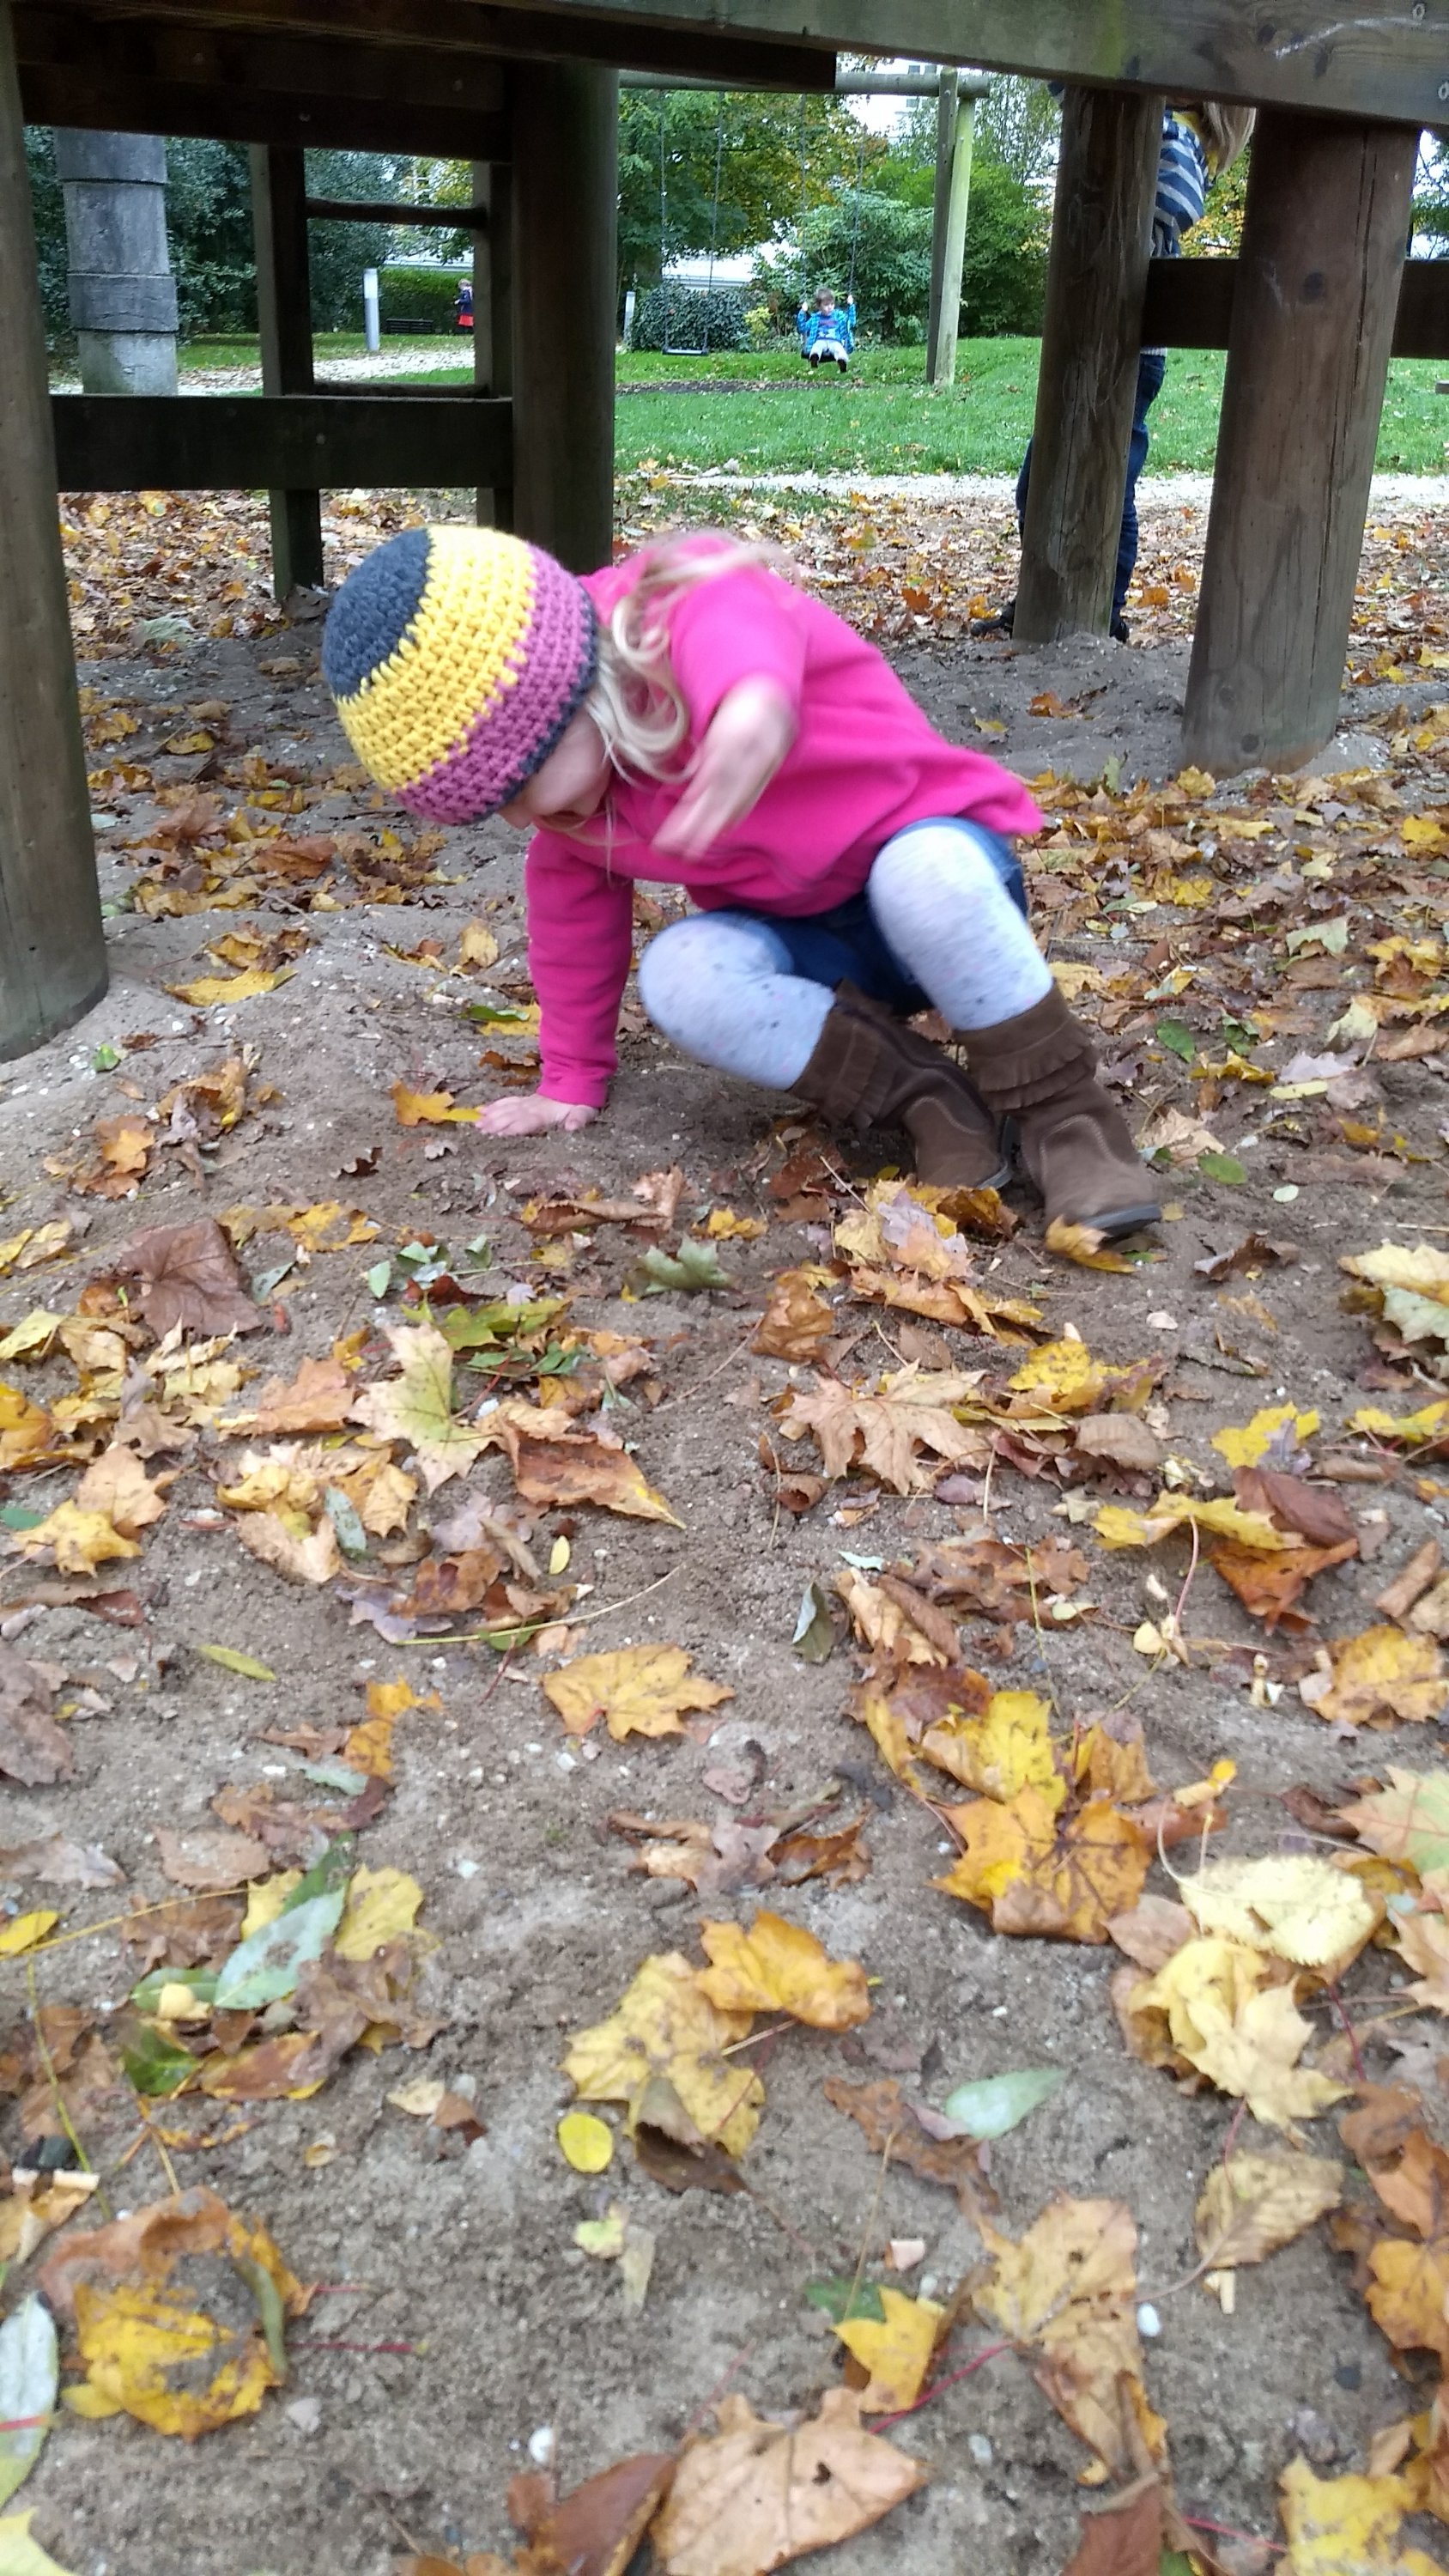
point(758, 2493)
point(33, 1749)
point(210, 1857)
point(189, 1276)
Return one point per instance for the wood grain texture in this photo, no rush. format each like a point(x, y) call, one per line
point(52, 948)
point(284, 320)
point(1313, 322)
point(565, 196)
point(1091, 339)
point(1190, 306)
point(493, 321)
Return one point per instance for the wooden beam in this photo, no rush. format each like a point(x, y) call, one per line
point(1189, 305)
point(1091, 342)
point(284, 318)
point(1383, 59)
point(246, 443)
point(493, 321)
point(52, 946)
point(483, 27)
point(156, 74)
point(941, 355)
point(565, 199)
point(1313, 319)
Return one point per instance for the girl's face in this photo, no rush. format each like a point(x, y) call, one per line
point(570, 786)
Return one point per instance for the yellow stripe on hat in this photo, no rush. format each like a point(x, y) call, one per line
point(461, 651)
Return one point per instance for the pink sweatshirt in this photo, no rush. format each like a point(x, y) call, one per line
point(863, 765)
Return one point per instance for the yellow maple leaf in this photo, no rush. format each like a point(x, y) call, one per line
point(477, 945)
point(428, 1108)
point(78, 1540)
point(208, 989)
point(1422, 1271)
point(1252, 2204)
point(117, 1485)
point(22, 1931)
point(37, 1243)
point(1068, 2289)
point(1347, 2526)
point(1404, 1429)
point(1009, 1747)
point(640, 1690)
point(895, 2349)
point(1035, 1873)
point(1117, 1526)
point(1087, 1245)
point(417, 1406)
point(1378, 1676)
point(25, 1428)
point(665, 2025)
point(1245, 2035)
point(1291, 1904)
point(369, 1746)
point(19, 2554)
point(1068, 1380)
point(1245, 1444)
point(304, 1555)
point(778, 1967)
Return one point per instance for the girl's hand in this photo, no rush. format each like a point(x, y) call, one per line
point(533, 1114)
point(749, 735)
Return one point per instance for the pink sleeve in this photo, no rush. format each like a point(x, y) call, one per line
point(735, 626)
point(580, 939)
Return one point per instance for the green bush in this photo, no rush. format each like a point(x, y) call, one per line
point(690, 319)
point(1003, 280)
point(427, 295)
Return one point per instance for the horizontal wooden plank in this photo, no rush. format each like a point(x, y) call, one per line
point(1189, 305)
point(488, 27)
point(296, 442)
point(1383, 59)
point(64, 95)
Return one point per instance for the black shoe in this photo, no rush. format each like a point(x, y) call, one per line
point(1001, 621)
point(1120, 631)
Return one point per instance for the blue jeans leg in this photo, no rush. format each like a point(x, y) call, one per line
point(1151, 368)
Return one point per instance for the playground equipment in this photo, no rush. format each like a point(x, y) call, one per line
point(526, 89)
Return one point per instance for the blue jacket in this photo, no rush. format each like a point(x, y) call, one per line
point(831, 330)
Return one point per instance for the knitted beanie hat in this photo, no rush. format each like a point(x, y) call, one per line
point(456, 657)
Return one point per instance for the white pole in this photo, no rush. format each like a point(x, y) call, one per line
point(371, 320)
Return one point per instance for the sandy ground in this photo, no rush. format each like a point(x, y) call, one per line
point(459, 2318)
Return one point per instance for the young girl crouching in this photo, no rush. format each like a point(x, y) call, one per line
point(689, 717)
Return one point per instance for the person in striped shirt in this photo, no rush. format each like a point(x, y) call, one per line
point(1198, 144)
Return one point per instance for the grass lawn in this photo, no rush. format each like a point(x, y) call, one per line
point(763, 413)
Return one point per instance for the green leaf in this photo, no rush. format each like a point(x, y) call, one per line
point(814, 1638)
point(1222, 1167)
point(326, 1875)
point(995, 2103)
point(1330, 936)
point(1239, 1034)
point(336, 1775)
point(265, 1968)
point(200, 1982)
point(19, 2554)
point(105, 1059)
point(233, 1660)
point(154, 2064)
point(492, 1015)
point(29, 2377)
point(378, 1279)
point(695, 1266)
point(478, 1252)
point(351, 1536)
point(263, 1282)
point(840, 2297)
point(1173, 2563)
point(18, 1516)
point(471, 1328)
point(1179, 1037)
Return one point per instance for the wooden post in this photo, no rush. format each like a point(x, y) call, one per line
point(942, 367)
point(1091, 338)
point(940, 209)
point(52, 947)
point(284, 311)
point(1313, 324)
point(493, 314)
point(565, 217)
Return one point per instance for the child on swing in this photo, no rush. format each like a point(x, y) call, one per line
point(827, 330)
point(689, 717)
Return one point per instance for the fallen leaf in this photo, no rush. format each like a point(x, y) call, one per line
point(893, 2129)
point(428, 1108)
point(312, 1558)
point(58, 1863)
point(20, 1932)
point(205, 990)
point(210, 1857)
point(1006, 1748)
point(1087, 1245)
point(778, 1967)
point(1252, 2204)
point(1246, 2036)
point(640, 1690)
point(29, 2377)
point(666, 2026)
point(318, 1398)
point(1123, 2537)
point(1068, 2289)
point(1033, 1873)
point(992, 2105)
point(1408, 1821)
point(417, 1405)
point(1276, 1427)
point(33, 1749)
point(188, 1276)
point(232, 1660)
point(1122, 1439)
point(117, 1485)
point(26, 1430)
point(894, 1434)
point(896, 2349)
point(1294, 1905)
point(755, 2494)
point(556, 1464)
point(19, 2554)
point(140, 2303)
point(1116, 1526)
point(597, 2529)
point(1376, 1678)
point(586, 2143)
point(1346, 2526)
point(381, 1905)
point(797, 1322)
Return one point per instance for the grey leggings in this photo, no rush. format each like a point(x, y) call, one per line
point(722, 985)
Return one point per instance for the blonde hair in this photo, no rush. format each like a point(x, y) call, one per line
point(635, 700)
point(1224, 131)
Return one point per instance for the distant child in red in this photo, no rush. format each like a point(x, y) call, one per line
point(690, 717)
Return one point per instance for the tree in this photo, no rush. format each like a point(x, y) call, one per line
point(756, 138)
point(1431, 198)
point(1018, 123)
point(1004, 275)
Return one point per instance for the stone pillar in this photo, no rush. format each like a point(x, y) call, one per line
point(122, 293)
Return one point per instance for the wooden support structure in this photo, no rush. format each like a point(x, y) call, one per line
point(493, 324)
point(407, 441)
point(52, 948)
point(1091, 341)
point(284, 313)
point(565, 198)
point(955, 135)
point(1313, 323)
point(1190, 306)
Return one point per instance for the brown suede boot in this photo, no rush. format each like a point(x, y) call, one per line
point(1039, 1069)
point(870, 1068)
